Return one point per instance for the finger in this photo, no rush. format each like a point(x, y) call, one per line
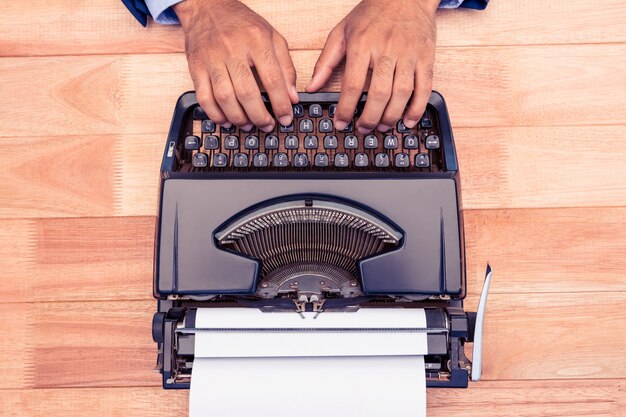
point(403, 83)
point(248, 94)
point(204, 95)
point(423, 89)
point(289, 71)
point(332, 54)
point(273, 79)
point(378, 95)
point(357, 64)
point(225, 96)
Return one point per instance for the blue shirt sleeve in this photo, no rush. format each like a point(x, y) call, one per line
point(162, 12)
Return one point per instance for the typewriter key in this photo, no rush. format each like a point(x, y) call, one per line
point(231, 142)
point(252, 142)
point(411, 142)
point(220, 160)
point(330, 142)
point(300, 160)
point(281, 160)
point(211, 142)
point(371, 142)
point(321, 160)
point(271, 142)
point(326, 126)
point(306, 125)
point(402, 160)
point(260, 160)
point(361, 160)
point(391, 142)
point(291, 142)
point(310, 142)
point(240, 160)
point(315, 110)
point(200, 160)
point(351, 142)
point(422, 160)
point(381, 160)
point(192, 143)
point(341, 160)
point(432, 142)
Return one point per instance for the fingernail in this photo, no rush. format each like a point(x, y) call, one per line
point(247, 128)
point(340, 125)
point(285, 120)
point(410, 123)
point(383, 128)
point(363, 130)
point(268, 128)
point(227, 125)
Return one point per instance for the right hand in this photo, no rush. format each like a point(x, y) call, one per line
point(224, 40)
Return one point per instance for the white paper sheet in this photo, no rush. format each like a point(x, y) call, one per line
point(306, 382)
point(367, 332)
point(381, 386)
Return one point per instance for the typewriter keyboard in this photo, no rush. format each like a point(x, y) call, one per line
point(310, 143)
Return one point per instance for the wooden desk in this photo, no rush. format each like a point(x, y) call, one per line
point(537, 96)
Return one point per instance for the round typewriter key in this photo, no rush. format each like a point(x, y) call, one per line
point(371, 142)
point(321, 160)
point(310, 142)
point(315, 110)
point(260, 160)
point(411, 142)
point(198, 113)
point(391, 142)
point(288, 128)
point(381, 160)
point(220, 160)
point(281, 160)
point(432, 142)
point(341, 160)
point(208, 126)
point(271, 142)
point(330, 142)
point(351, 142)
point(252, 142)
point(200, 160)
point(240, 160)
point(298, 110)
point(231, 142)
point(402, 128)
point(211, 142)
point(291, 142)
point(402, 160)
point(300, 160)
point(326, 126)
point(422, 160)
point(361, 160)
point(230, 129)
point(332, 109)
point(306, 125)
point(192, 143)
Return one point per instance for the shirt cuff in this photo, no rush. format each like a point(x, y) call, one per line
point(162, 12)
point(450, 4)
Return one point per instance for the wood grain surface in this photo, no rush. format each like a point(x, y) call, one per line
point(535, 91)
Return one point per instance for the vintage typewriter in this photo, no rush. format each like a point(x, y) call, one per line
point(310, 219)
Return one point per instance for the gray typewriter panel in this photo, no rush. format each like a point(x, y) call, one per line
point(429, 261)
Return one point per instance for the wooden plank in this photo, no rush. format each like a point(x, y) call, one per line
point(98, 344)
point(498, 398)
point(79, 259)
point(500, 168)
point(105, 27)
point(542, 167)
point(135, 94)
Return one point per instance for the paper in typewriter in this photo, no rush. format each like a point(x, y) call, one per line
point(368, 363)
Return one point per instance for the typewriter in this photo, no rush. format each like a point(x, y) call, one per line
point(311, 219)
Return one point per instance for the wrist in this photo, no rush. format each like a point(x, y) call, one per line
point(429, 5)
point(184, 11)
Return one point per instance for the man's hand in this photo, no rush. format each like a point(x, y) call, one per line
point(224, 40)
point(396, 39)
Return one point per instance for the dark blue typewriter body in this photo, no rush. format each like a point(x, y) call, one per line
point(253, 219)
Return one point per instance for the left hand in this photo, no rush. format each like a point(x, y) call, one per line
point(396, 39)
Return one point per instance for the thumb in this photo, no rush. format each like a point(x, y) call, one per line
point(332, 54)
